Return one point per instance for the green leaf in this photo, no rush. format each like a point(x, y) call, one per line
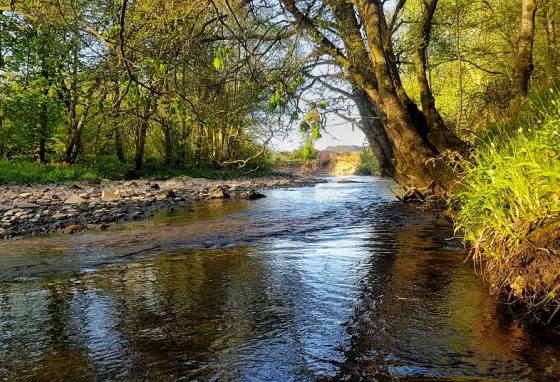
point(218, 63)
point(124, 78)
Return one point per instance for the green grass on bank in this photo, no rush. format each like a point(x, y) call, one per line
point(511, 190)
point(18, 172)
point(513, 183)
point(23, 171)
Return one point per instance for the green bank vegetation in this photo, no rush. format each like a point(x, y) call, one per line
point(510, 205)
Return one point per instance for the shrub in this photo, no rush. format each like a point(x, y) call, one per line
point(369, 163)
point(510, 204)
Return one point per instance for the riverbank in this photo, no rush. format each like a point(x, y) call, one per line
point(509, 210)
point(73, 207)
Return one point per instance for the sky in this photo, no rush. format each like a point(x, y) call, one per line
point(338, 132)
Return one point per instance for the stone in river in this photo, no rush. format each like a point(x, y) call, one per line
point(218, 194)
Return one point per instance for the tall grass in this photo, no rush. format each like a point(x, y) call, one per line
point(19, 172)
point(24, 170)
point(511, 189)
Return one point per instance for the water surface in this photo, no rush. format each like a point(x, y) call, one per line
point(336, 282)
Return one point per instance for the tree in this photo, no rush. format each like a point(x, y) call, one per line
point(369, 61)
point(523, 66)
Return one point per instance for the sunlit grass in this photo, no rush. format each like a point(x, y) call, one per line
point(513, 182)
point(510, 206)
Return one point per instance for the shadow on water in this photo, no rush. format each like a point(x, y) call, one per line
point(331, 283)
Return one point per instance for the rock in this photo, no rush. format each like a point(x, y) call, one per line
point(347, 181)
point(110, 195)
point(26, 205)
point(26, 195)
point(253, 195)
point(59, 216)
point(154, 186)
point(75, 187)
point(218, 194)
point(75, 199)
point(4, 208)
point(97, 227)
point(74, 228)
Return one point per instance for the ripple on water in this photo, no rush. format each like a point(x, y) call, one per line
point(334, 283)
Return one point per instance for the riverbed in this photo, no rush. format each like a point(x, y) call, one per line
point(332, 282)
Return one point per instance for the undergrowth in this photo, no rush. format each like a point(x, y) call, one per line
point(510, 205)
point(24, 170)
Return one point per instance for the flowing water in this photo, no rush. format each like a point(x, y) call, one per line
point(336, 282)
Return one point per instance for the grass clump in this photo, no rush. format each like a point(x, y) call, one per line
point(19, 172)
point(510, 207)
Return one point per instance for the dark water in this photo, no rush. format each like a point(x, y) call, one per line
point(335, 282)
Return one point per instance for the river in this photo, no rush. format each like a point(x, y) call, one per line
point(335, 282)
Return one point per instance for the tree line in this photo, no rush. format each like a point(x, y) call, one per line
point(215, 80)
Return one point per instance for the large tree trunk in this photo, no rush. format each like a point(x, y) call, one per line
point(374, 131)
point(524, 60)
point(141, 144)
point(439, 135)
point(372, 68)
point(40, 152)
point(553, 64)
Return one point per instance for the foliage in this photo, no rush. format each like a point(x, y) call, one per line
point(511, 189)
point(369, 164)
point(157, 83)
point(22, 172)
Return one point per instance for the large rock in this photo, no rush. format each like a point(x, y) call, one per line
point(251, 195)
point(75, 199)
point(218, 193)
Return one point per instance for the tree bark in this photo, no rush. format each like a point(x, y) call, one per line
point(551, 39)
point(406, 128)
point(438, 133)
point(374, 131)
point(40, 152)
point(524, 61)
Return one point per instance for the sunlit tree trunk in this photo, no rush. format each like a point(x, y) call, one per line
point(523, 66)
point(371, 68)
point(40, 152)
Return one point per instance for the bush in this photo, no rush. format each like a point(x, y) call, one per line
point(510, 200)
point(369, 163)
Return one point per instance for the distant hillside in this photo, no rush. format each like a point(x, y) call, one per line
point(343, 149)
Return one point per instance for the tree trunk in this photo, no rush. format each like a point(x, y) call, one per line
point(414, 155)
point(141, 137)
point(374, 131)
point(118, 145)
point(140, 144)
point(40, 152)
point(524, 60)
point(439, 135)
point(551, 39)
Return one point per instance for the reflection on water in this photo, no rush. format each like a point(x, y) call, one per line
point(333, 283)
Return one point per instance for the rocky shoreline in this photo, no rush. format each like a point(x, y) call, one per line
point(44, 209)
